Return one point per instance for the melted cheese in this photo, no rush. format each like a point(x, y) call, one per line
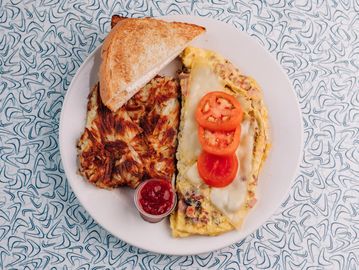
point(230, 198)
point(202, 81)
point(245, 150)
point(193, 176)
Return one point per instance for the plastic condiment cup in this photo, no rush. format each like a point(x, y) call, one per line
point(149, 217)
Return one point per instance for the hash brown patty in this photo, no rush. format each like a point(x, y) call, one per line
point(136, 142)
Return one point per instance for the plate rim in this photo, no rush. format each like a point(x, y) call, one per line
point(224, 243)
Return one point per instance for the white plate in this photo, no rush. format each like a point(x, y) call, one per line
point(115, 211)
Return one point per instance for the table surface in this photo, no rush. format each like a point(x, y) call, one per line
point(42, 224)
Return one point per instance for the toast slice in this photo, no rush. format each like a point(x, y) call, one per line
point(135, 50)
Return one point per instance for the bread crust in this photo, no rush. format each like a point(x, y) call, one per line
point(135, 47)
point(115, 19)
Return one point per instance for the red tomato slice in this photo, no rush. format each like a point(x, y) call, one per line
point(221, 143)
point(217, 171)
point(219, 111)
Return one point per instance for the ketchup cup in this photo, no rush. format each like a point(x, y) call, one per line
point(155, 199)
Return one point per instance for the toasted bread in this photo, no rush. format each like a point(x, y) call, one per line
point(135, 50)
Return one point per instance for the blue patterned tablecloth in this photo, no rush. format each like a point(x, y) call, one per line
point(42, 224)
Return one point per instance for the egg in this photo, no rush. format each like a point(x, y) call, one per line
point(203, 209)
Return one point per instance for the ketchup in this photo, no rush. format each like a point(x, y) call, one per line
point(156, 196)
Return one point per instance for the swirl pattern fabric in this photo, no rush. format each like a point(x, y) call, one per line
point(42, 224)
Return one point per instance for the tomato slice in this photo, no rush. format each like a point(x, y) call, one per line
point(217, 171)
point(219, 111)
point(220, 143)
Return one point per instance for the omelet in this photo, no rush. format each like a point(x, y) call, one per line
point(201, 209)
